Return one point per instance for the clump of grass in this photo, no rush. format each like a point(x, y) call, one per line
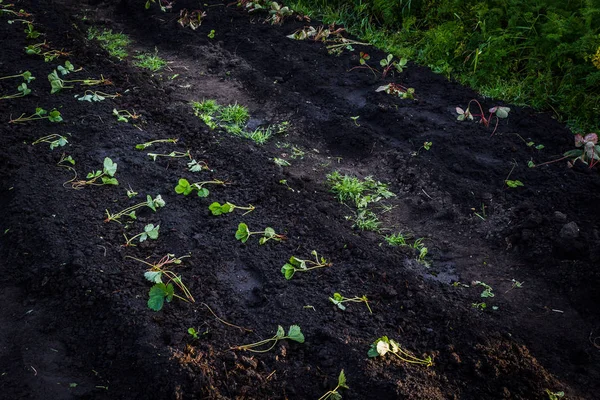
point(233, 119)
point(115, 43)
point(150, 61)
point(361, 194)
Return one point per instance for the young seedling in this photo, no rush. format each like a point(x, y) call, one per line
point(338, 300)
point(294, 333)
point(184, 187)
point(481, 215)
point(150, 232)
point(387, 64)
point(383, 346)
point(114, 43)
point(334, 394)
point(426, 146)
point(40, 113)
point(512, 183)
point(54, 140)
point(397, 90)
point(41, 49)
point(124, 115)
point(281, 162)
point(197, 166)
point(243, 234)
point(163, 4)
point(211, 34)
point(219, 209)
point(27, 77)
point(497, 111)
point(487, 289)
point(151, 203)
point(31, 32)
point(555, 395)
point(590, 154)
point(278, 13)
point(296, 264)
point(165, 281)
point(106, 176)
point(193, 19)
point(96, 96)
point(22, 89)
point(354, 119)
point(131, 193)
point(515, 285)
point(57, 83)
point(397, 239)
point(173, 154)
point(143, 146)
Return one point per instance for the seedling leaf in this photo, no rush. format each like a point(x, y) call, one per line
point(342, 380)
point(288, 271)
point(153, 276)
point(243, 233)
point(295, 334)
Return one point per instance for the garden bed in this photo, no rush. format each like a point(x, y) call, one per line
point(76, 323)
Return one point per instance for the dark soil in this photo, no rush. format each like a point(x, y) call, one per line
point(74, 320)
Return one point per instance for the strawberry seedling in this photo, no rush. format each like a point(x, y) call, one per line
point(294, 333)
point(124, 115)
point(193, 19)
point(397, 90)
point(22, 91)
point(150, 232)
point(57, 83)
point(151, 203)
point(143, 146)
point(338, 300)
point(334, 394)
point(243, 234)
point(219, 209)
point(54, 139)
point(106, 176)
point(184, 187)
point(165, 281)
point(41, 49)
point(197, 166)
point(487, 289)
point(96, 96)
point(296, 264)
point(40, 113)
point(173, 154)
point(383, 346)
point(497, 111)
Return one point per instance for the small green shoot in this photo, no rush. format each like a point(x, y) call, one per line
point(211, 34)
point(151, 62)
point(55, 140)
point(296, 264)
point(150, 232)
point(124, 115)
point(383, 346)
point(40, 113)
point(193, 333)
point(31, 32)
point(354, 119)
point(555, 395)
point(96, 96)
point(243, 234)
point(397, 90)
point(294, 333)
point(219, 209)
point(281, 162)
point(165, 281)
point(143, 146)
point(57, 83)
point(338, 300)
point(106, 176)
point(515, 285)
point(43, 50)
point(334, 394)
point(151, 203)
point(512, 183)
point(173, 154)
point(487, 289)
point(184, 187)
point(197, 166)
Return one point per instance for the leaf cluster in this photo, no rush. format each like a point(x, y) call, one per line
point(384, 345)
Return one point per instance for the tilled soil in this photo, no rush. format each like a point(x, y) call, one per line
point(75, 323)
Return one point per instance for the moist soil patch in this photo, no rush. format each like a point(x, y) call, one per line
point(75, 323)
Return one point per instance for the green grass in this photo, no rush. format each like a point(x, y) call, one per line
point(150, 61)
point(115, 43)
point(538, 53)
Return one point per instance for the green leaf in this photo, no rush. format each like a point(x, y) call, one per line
point(216, 208)
point(157, 296)
point(56, 83)
point(109, 167)
point(295, 334)
point(296, 261)
point(152, 231)
point(502, 112)
point(170, 292)
point(109, 181)
point(203, 192)
point(342, 380)
point(153, 276)
point(269, 232)
point(150, 202)
point(183, 187)
point(280, 332)
point(288, 271)
point(243, 233)
point(55, 116)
